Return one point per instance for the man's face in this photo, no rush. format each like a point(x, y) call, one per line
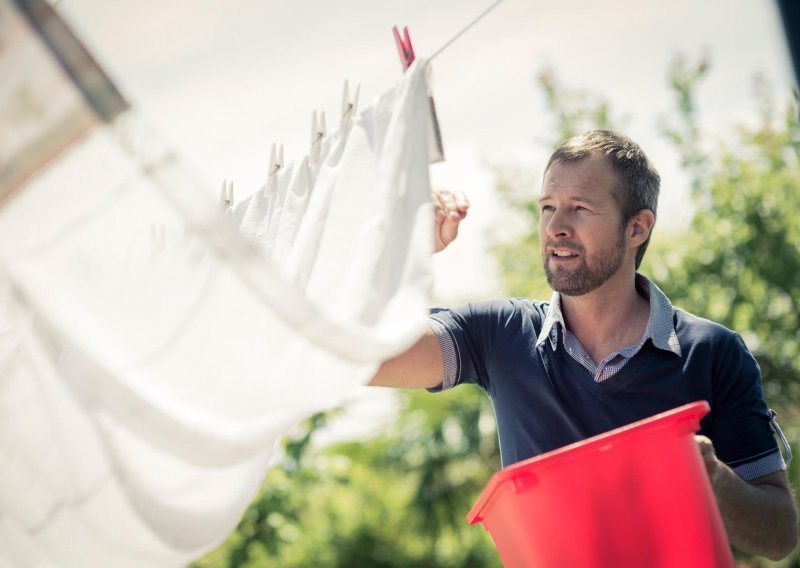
point(580, 229)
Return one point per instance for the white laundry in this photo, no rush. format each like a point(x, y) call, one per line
point(143, 383)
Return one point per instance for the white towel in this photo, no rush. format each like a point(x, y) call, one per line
point(143, 384)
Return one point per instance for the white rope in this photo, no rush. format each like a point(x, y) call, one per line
point(459, 34)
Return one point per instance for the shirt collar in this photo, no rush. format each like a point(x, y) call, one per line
point(660, 329)
point(549, 328)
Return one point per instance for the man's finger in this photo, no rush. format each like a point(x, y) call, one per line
point(450, 209)
point(462, 203)
point(708, 455)
point(453, 205)
point(704, 444)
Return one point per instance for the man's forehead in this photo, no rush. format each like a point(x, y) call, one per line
point(587, 176)
point(594, 164)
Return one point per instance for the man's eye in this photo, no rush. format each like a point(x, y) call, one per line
point(547, 208)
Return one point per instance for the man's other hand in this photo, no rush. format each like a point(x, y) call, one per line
point(760, 515)
point(450, 209)
point(709, 457)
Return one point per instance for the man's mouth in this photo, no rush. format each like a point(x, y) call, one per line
point(561, 253)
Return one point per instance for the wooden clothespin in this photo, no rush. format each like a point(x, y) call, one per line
point(275, 159)
point(318, 132)
point(406, 52)
point(275, 164)
point(226, 194)
point(349, 106)
point(404, 47)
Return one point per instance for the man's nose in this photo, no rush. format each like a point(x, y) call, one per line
point(558, 225)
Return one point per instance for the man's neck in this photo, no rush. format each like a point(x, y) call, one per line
point(608, 318)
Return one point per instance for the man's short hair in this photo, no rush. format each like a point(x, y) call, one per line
point(640, 180)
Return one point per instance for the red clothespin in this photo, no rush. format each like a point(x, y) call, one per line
point(406, 52)
point(404, 47)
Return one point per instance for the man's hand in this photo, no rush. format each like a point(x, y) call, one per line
point(709, 457)
point(451, 208)
point(760, 515)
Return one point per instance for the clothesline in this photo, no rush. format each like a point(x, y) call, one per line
point(465, 28)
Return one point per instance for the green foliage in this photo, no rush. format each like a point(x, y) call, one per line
point(574, 111)
point(518, 258)
point(274, 518)
point(683, 131)
point(398, 499)
point(739, 261)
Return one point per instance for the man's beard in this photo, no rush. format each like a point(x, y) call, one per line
point(583, 279)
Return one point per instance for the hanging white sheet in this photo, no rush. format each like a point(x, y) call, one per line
point(151, 354)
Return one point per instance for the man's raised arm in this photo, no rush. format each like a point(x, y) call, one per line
point(419, 367)
point(422, 365)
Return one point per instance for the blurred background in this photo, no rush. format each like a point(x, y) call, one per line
point(705, 88)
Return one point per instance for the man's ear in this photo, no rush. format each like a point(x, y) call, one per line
point(640, 226)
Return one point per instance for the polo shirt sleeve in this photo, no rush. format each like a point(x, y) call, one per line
point(466, 335)
point(741, 425)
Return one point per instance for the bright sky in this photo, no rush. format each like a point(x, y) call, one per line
point(222, 81)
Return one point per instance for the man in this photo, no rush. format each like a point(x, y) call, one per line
point(609, 348)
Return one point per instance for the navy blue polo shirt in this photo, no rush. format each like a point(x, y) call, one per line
point(544, 399)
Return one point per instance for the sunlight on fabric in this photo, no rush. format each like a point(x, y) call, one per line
point(151, 352)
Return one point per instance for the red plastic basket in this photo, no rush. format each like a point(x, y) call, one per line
point(638, 496)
